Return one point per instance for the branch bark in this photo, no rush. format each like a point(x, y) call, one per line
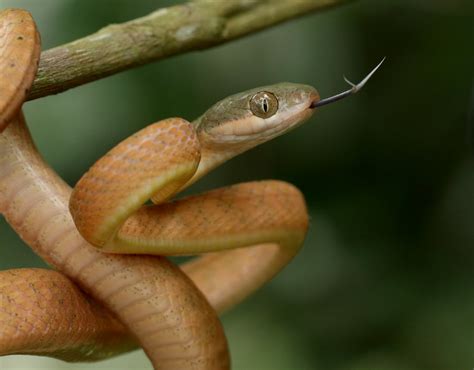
point(195, 25)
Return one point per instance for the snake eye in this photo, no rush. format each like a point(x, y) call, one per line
point(264, 104)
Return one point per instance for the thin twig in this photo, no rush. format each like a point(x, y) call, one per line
point(169, 31)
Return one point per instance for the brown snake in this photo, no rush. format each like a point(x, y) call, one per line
point(169, 310)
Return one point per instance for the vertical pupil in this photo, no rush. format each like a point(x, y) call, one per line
point(265, 105)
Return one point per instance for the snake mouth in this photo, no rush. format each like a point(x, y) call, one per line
point(314, 100)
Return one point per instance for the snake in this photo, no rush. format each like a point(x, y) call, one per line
point(111, 288)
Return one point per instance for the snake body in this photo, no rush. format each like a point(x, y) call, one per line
point(19, 57)
point(101, 235)
point(157, 301)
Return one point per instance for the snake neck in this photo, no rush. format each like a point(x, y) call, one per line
point(213, 153)
point(212, 156)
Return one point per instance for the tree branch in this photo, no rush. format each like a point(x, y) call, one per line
point(192, 26)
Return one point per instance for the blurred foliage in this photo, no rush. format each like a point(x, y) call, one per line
point(384, 277)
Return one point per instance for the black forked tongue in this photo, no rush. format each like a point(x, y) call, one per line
point(354, 89)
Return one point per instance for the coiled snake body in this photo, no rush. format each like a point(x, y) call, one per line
point(169, 310)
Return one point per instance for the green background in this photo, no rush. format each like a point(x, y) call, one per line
point(385, 280)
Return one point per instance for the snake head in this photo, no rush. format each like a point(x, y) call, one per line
point(258, 115)
point(249, 118)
